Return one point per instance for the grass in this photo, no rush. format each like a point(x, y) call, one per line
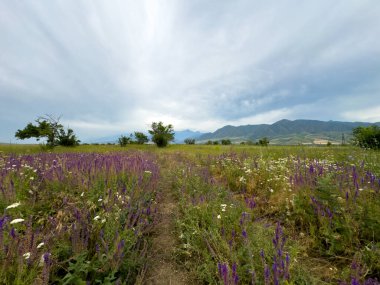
point(248, 214)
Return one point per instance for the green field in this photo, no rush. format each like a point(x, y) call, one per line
point(241, 214)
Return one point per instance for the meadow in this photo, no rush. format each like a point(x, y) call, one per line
point(243, 215)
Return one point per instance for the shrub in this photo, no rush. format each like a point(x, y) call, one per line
point(189, 141)
point(161, 134)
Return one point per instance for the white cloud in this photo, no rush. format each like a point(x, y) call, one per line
point(371, 114)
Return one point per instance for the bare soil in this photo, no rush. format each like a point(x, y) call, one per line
point(162, 267)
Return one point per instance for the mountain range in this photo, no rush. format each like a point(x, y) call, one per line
point(288, 132)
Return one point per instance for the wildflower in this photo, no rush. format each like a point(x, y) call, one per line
point(96, 218)
point(103, 221)
point(40, 245)
point(15, 221)
point(26, 255)
point(242, 179)
point(148, 172)
point(100, 200)
point(218, 216)
point(14, 205)
point(82, 194)
point(31, 178)
point(271, 190)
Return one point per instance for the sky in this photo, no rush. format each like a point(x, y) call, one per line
point(113, 67)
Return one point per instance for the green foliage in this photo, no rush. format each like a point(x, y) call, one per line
point(367, 137)
point(141, 138)
point(226, 142)
point(215, 142)
point(264, 141)
point(189, 141)
point(48, 127)
point(124, 140)
point(161, 134)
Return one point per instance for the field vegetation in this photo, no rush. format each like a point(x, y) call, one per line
point(245, 214)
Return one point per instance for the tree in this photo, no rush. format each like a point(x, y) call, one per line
point(367, 137)
point(226, 142)
point(161, 135)
point(67, 139)
point(124, 140)
point(264, 141)
point(48, 127)
point(141, 138)
point(189, 141)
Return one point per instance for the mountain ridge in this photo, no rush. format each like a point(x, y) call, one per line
point(287, 131)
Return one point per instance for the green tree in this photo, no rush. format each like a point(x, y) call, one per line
point(141, 138)
point(48, 127)
point(161, 134)
point(367, 137)
point(264, 141)
point(226, 142)
point(189, 141)
point(124, 140)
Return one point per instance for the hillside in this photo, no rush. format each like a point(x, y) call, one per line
point(288, 132)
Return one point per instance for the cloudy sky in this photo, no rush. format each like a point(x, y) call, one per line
point(112, 67)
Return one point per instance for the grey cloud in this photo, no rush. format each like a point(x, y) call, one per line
point(116, 65)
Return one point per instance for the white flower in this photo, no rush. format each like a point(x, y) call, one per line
point(26, 255)
point(242, 179)
point(31, 178)
point(40, 245)
point(103, 221)
point(360, 189)
point(15, 221)
point(271, 190)
point(14, 205)
point(100, 200)
point(96, 218)
point(218, 216)
point(82, 194)
point(148, 172)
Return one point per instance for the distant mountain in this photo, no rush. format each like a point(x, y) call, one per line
point(180, 136)
point(288, 132)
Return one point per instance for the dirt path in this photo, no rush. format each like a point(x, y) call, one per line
point(162, 268)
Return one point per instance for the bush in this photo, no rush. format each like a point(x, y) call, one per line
point(189, 141)
point(141, 138)
point(123, 140)
point(367, 137)
point(161, 135)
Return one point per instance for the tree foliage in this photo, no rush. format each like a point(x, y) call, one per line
point(141, 138)
point(226, 142)
point(264, 141)
point(189, 141)
point(48, 127)
point(367, 137)
point(161, 134)
point(124, 140)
